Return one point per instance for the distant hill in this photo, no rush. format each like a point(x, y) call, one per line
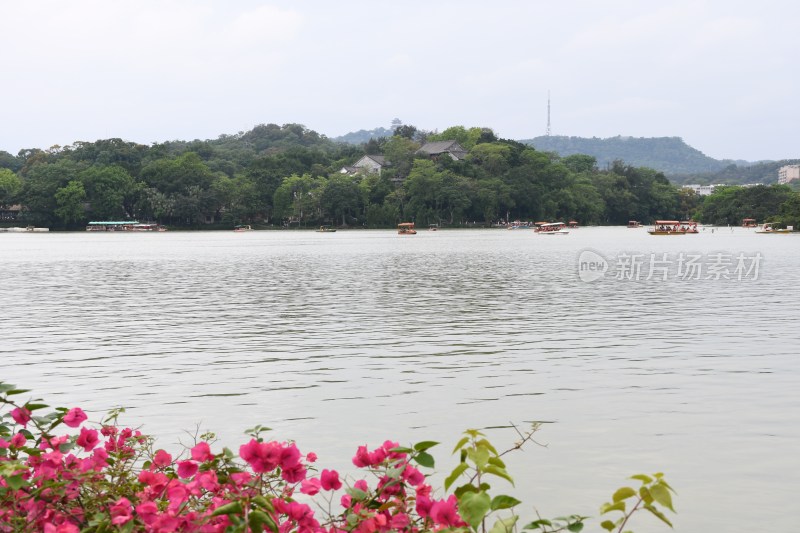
point(681, 163)
point(362, 136)
point(670, 155)
point(765, 172)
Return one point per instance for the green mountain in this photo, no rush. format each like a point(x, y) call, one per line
point(669, 155)
point(362, 136)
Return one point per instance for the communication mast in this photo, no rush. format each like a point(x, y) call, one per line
point(548, 113)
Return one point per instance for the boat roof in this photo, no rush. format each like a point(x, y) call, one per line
point(553, 224)
point(748, 220)
point(667, 222)
point(109, 223)
point(406, 224)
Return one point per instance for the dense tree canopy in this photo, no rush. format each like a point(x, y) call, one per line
point(289, 175)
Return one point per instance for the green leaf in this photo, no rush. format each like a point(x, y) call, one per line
point(504, 502)
point(496, 461)
point(661, 495)
point(16, 482)
point(479, 456)
point(356, 494)
point(401, 449)
point(473, 507)
point(264, 503)
point(35, 406)
point(608, 525)
point(646, 496)
point(483, 443)
point(608, 507)
point(17, 391)
point(257, 519)
point(424, 459)
point(623, 494)
point(232, 508)
point(457, 471)
point(504, 525)
point(575, 527)
point(500, 472)
point(658, 514)
point(537, 524)
point(461, 444)
point(424, 445)
point(643, 478)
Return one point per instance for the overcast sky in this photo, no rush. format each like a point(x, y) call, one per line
point(721, 74)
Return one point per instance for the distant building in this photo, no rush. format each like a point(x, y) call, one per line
point(788, 173)
point(701, 190)
point(8, 213)
point(372, 164)
point(436, 149)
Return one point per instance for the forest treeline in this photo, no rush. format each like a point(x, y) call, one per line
point(291, 176)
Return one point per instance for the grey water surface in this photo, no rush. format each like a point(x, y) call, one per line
point(340, 339)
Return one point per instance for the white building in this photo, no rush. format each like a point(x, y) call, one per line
point(788, 173)
point(701, 190)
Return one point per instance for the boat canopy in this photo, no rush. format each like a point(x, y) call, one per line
point(406, 225)
point(114, 223)
point(748, 220)
point(548, 224)
point(662, 222)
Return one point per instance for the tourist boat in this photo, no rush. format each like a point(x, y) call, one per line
point(573, 224)
point(26, 229)
point(326, 229)
point(667, 227)
point(633, 224)
point(689, 226)
point(749, 223)
point(552, 228)
point(769, 227)
point(242, 228)
point(126, 225)
point(406, 228)
point(518, 225)
point(433, 227)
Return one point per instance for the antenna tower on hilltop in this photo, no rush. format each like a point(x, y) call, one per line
point(548, 113)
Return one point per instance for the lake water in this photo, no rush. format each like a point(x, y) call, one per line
point(348, 338)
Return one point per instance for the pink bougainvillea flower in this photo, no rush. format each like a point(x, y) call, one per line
point(148, 512)
point(261, 456)
point(330, 480)
point(121, 512)
point(4, 443)
point(21, 416)
point(311, 457)
point(18, 440)
point(66, 527)
point(202, 452)
point(75, 417)
point(187, 468)
point(423, 506)
point(295, 474)
point(88, 439)
point(162, 459)
point(177, 493)
point(400, 522)
point(412, 476)
point(290, 457)
point(445, 512)
point(346, 501)
point(310, 486)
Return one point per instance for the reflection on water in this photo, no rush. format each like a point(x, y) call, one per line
point(346, 338)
